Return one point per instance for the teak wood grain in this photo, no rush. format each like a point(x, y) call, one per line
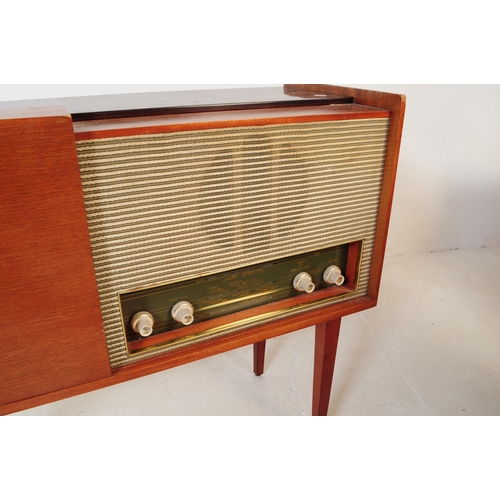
point(51, 328)
point(53, 332)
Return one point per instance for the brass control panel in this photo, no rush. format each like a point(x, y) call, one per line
point(172, 307)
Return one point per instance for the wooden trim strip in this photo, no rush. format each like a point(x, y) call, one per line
point(167, 124)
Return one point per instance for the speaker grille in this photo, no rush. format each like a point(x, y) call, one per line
point(169, 207)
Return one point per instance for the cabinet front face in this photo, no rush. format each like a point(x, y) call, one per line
point(134, 244)
point(222, 216)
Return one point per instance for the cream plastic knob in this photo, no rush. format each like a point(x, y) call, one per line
point(142, 323)
point(303, 283)
point(183, 312)
point(333, 276)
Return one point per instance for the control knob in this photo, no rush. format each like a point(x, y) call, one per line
point(303, 283)
point(183, 312)
point(333, 276)
point(142, 323)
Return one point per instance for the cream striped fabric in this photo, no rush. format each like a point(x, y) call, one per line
point(168, 207)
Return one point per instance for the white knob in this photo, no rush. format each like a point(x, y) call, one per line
point(333, 276)
point(183, 313)
point(142, 323)
point(303, 283)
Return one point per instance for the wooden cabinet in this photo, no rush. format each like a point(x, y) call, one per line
point(59, 337)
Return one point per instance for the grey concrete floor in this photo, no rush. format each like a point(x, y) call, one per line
point(431, 347)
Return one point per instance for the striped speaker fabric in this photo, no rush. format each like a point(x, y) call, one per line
point(169, 207)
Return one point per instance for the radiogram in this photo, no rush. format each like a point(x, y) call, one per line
point(141, 232)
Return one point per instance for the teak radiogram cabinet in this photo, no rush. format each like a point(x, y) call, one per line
point(146, 231)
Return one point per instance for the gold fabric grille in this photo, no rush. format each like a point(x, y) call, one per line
point(168, 207)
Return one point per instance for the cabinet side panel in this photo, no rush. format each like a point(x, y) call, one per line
point(51, 329)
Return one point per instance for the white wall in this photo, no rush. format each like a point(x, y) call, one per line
point(448, 189)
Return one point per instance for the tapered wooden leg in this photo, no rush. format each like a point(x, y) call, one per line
point(259, 353)
point(327, 337)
